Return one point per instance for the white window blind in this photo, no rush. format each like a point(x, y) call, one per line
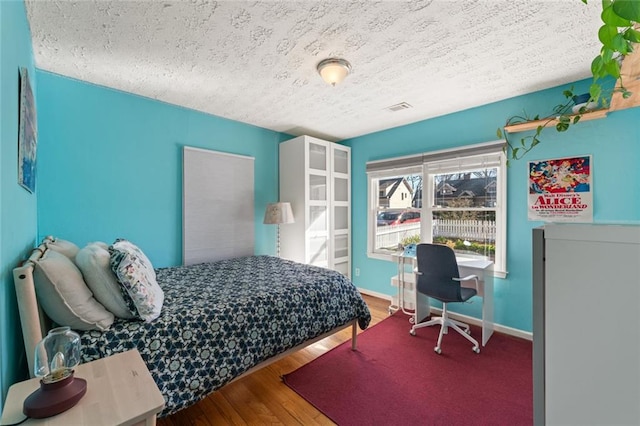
point(218, 210)
point(402, 164)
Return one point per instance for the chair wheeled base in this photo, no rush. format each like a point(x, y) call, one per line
point(445, 322)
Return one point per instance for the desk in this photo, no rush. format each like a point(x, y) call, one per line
point(120, 391)
point(417, 306)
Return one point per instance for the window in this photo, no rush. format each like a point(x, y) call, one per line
point(397, 217)
point(456, 197)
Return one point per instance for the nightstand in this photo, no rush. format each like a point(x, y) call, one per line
point(120, 391)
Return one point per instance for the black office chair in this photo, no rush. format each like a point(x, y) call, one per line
point(438, 278)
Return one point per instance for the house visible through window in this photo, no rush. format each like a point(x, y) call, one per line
point(455, 197)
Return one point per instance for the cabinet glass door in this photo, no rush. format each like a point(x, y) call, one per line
point(317, 156)
point(318, 233)
point(317, 187)
point(341, 218)
point(340, 189)
point(342, 267)
point(340, 161)
point(318, 220)
point(318, 253)
point(341, 246)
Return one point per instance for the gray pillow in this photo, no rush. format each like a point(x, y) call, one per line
point(93, 261)
point(65, 297)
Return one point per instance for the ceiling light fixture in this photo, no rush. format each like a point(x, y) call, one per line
point(334, 70)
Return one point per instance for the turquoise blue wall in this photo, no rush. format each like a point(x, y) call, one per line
point(111, 166)
point(17, 206)
point(614, 143)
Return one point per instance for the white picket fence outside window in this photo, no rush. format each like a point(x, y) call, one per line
point(473, 230)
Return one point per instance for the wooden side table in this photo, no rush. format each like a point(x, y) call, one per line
point(120, 391)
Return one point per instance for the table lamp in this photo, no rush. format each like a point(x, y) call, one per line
point(277, 214)
point(55, 357)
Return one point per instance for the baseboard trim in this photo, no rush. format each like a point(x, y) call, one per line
point(460, 317)
point(375, 294)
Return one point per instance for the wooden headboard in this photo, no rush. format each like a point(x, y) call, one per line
point(35, 324)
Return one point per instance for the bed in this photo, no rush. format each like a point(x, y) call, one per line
point(219, 321)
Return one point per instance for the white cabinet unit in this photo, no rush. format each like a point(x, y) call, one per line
point(586, 320)
point(315, 177)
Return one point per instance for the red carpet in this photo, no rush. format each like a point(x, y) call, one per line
point(395, 378)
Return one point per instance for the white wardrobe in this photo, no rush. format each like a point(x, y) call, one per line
point(315, 177)
point(586, 324)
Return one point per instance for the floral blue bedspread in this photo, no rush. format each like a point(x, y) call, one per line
point(220, 319)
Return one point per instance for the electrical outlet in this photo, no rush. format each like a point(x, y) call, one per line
point(357, 272)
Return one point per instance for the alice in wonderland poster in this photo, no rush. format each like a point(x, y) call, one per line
point(560, 190)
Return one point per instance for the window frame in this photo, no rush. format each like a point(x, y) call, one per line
point(469, 158)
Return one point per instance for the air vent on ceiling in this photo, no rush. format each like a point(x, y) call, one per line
point(398, 107)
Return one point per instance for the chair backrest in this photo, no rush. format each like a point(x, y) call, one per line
point(437, 266)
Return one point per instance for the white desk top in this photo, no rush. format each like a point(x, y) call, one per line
point(466, 262)
point(463, 262)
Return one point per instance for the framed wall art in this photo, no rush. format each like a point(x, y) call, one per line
point(560, 190)
point(27, 135)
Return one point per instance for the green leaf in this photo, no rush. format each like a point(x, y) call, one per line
point(499, 133)
point(627, 9)
point(613, 68)
point(535, 142)
point(515, 153)
point(610, 17)
point(597, 66)
point(562, 127)
point(631, 35)
point(576, 119)
point(607, 54)
point(568, 93)
point(621, 45)
point(626, 94)
point(564, 119)
point(606, 34)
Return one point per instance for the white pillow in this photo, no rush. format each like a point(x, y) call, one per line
point(93, 261)
point(136, 275)
point(100, 244)
point(65, 297)
point(65, 247)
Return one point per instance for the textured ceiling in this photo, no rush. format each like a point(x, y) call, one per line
point(255, 61)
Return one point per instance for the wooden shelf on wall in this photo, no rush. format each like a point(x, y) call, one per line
point(630, 76)
point(532, 125)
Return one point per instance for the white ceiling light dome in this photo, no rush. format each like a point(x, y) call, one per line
point(334, 70)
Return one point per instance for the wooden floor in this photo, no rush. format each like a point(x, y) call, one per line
point(262, 398)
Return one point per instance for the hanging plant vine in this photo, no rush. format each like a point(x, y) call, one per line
point(618, 34)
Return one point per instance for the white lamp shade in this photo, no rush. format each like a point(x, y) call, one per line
point(278, 213)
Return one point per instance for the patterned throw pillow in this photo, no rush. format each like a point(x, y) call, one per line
point(137, 278)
